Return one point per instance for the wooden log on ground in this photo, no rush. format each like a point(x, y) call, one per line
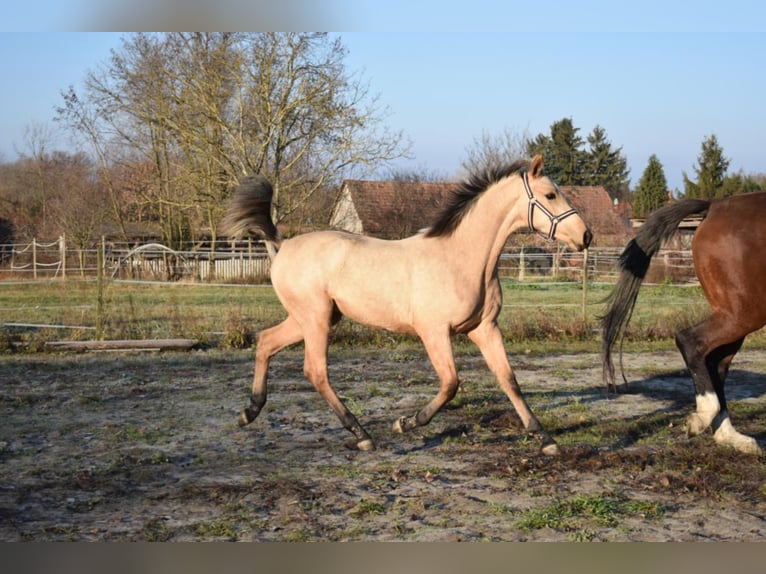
point(125, 345)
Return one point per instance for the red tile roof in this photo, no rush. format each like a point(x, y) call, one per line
point(396, 209)
point(598, 210)
point(392, 209)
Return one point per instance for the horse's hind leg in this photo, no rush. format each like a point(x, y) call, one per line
point(270, 342)
point(723, 430)
point(708, 349)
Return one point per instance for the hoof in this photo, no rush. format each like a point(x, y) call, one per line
point(726, 435)
point(245, 417)
point(363, 445)
point(400, 425)
point(551, 449)
point(694, 425)
point(750, 447)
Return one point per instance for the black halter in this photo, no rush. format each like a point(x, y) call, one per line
point(554, 219)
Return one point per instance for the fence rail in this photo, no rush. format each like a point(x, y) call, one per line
point(247, 261)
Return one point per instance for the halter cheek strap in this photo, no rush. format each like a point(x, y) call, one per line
point(533, 202)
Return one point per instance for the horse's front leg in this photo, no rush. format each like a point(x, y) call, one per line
point(439, 348)
point(489, 339)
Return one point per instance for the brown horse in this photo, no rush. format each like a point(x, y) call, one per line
point(727, 252)
point(433, 284)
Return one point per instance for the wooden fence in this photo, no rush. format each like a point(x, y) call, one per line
point(247, 261)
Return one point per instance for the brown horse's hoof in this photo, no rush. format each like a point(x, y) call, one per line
point(363, 445)
point(397, 426)
point(551, 449)
point(694, 425)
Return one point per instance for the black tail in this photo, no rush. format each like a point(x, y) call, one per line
point(634, 262)
point(250, 211)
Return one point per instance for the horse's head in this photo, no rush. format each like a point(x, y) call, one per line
point(549, 213)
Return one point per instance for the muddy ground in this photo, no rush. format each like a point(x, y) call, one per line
point(145, 447)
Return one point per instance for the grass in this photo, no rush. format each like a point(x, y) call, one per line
point(367, 507)
point(577, 514)
point(539, 317)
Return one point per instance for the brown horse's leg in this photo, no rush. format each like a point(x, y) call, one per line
point(270, 342)
point(726, 354)
point(708, 349)
point(315, 369)
point(439, 348)
point(489, 339)
point(723, 431)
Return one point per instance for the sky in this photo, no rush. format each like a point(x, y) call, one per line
point(658, 77)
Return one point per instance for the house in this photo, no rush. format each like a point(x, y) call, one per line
point(388, 209)
point(396, 209)
point(609, 227)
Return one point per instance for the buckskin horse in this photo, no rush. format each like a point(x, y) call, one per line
point(434, 284)
point(727, 251)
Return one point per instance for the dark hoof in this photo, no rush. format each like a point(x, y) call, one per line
point(404, 424)
point(246, 416)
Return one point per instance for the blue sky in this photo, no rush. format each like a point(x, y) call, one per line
point(657, 85)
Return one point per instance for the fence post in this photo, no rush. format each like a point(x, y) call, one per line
point(521, 264)
point(249, 274)
point(585, 286)
point(34, 258)
point(100, 291)
point(62, 255)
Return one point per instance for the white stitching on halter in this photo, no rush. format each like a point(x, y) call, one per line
point(554, 219)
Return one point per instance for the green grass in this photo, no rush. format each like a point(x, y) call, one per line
point(577, 514)
point(367, 507)
point(541, 317)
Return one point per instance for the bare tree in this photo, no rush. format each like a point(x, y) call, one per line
point(491, 150)
point(207, 108)
point(37, 138)
point(81, 204)
point(417, 174)
point(83, 119)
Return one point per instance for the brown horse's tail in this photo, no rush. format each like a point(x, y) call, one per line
point(250, 211)
point(634, 263)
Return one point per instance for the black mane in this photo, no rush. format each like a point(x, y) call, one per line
point(463, 198)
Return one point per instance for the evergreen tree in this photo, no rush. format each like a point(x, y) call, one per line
point(605, 165)
point(567, 163)
point(711, 172)
point(739, 183)
point(652, 190)
point(564, 158)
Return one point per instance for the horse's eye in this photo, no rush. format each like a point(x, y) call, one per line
point(550, 196)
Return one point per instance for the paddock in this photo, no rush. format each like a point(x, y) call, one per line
point(140, 446)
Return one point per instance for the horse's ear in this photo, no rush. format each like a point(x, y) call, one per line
point(536, 166)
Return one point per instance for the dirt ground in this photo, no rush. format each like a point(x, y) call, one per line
point(145, 447)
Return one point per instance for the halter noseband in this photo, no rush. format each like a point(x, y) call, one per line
point(554, 219)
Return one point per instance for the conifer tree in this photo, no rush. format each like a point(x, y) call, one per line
point(562, 151)
point(605, 165)
point(567, 163)
point(652, 190)
point(711, 172)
